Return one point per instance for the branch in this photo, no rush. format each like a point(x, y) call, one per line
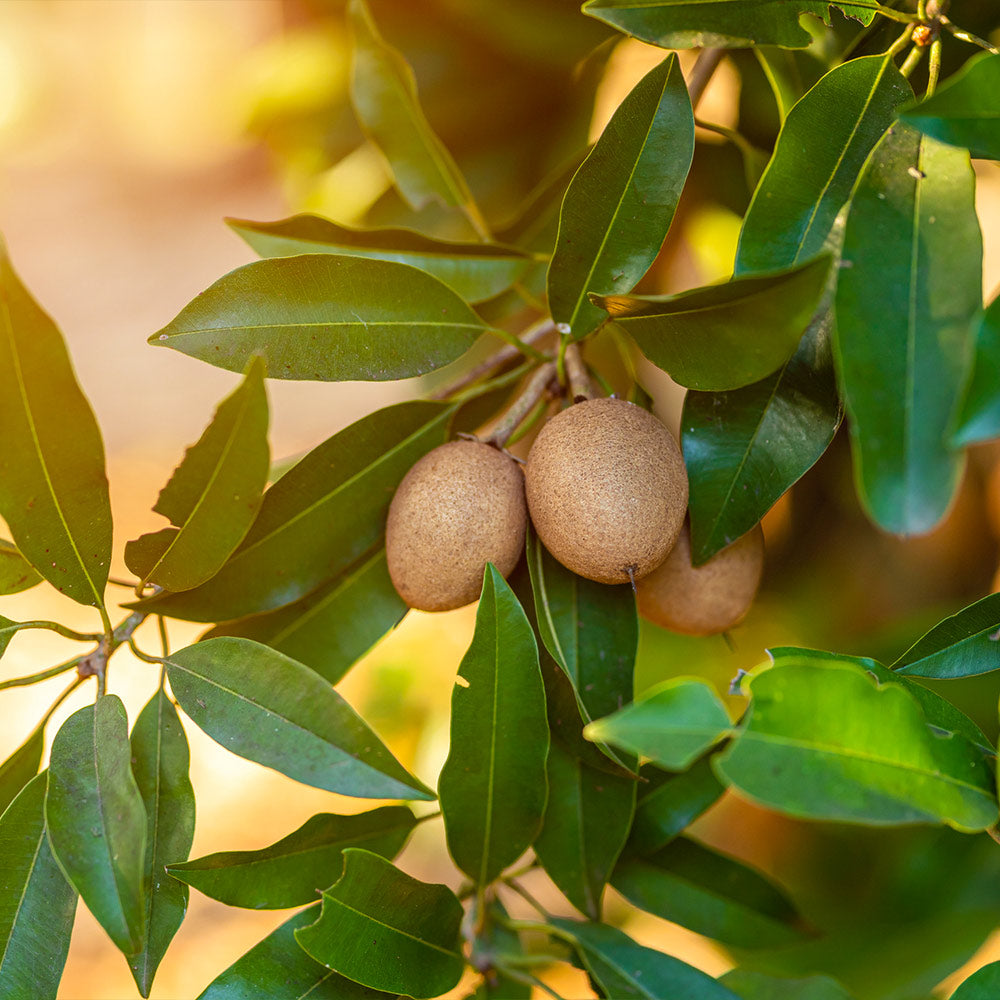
point(705, 65)
point(535, 388)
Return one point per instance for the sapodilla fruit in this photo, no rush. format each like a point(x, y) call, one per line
point(706, 599)
point(459, 507)
point(607, 489)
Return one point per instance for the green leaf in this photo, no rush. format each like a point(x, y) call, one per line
point(984, 984)
point(325, 317)
point(319, 518)
point(266, 707)
point(475, 271)
point(278, 969)
point(621, 201)
point(8, 629)
point(20, 767)
point(750, 985)
point(625, 970)
point(298, 867)
point(96, 819)
point(711, 894)
point(37, 904)
point(979, 411)
point(963, 645)
point(964, 110)
point(724, 336)
point(685, 24)
point(331, 628)
point(386, 930)
point(493, 943)
point(213, 496)
point(744, 448)
point(384, 94)
point(673, 724)
point(492, 786)
point(16, 573)
point(587, 820)
point(821, 741)
point(53, 488)
point(912, 232)
point(160, 764)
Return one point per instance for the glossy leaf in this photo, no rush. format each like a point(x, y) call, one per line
point(621, 201)
point(384, 94)
point(724, 336)
point(627, 971)
point(672, 725)
point(160, 763)
point(213, 496)
point(37, 904)
point(964, 110)
point(327, 318)
point(331, 628)
point(475, 271)
point(20, 767)
point(298, 867)
point(53, 488)
point(587, 820)
point(277, 968)
point(979, 411)
point(711, 894)
point(912, 232)
point(492, 786)
point(96, 819)
point(319, 518)
point(750, 985)
point(984, 984)
point(8, 629)
point(821, 741)
point(16, 573)
point(266, 707)
point(684, 24)
point(386, 930)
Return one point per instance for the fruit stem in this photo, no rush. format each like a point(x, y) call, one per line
point(534, 389)
point(910, 62)
point(705, 65)
point(576, 372)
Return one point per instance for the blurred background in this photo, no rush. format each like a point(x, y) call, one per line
point(129, 130)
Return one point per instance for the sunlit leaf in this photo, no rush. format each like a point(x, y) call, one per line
point(979, 412)
point(16, 573)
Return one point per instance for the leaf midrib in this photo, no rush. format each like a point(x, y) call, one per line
point(326, 324)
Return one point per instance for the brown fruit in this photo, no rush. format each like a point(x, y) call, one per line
point(706, 599)
point(460, 507)
point(607, 489)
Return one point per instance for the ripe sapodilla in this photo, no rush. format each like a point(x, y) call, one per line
point(706, 599)
point(459, 507)
point(607, 489)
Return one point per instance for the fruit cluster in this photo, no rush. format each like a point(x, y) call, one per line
point(607, 492)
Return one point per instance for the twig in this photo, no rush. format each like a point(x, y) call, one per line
point(705, 65)
point(526, 896)
point(42, 675)
point(527, 978)
point(67, 633)
point(576, 372)
point(535, 388)
point(966, 36)
point(910, 62)
point(933, 67)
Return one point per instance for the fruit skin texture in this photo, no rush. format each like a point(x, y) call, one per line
point(459, 507)
point(706, 599)
point(607, 489)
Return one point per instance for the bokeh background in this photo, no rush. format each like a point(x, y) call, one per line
point(130, 128)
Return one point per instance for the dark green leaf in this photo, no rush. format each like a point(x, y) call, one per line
point(382, 928)
point(965, 644)
point(981, 985)
point(750, 985)
point(331, 628)
point(16, 573)
point(319, 518)
point(325, 317)
point(475, 271)
point(20, 767)
point(492, 787)
point(278, 969)
point(685, 24)
point(621, 201)
point(264, 706)
point(625, 970)
point(724, 336)
point(493, 943)
point(96, 820)
point(822, 741)
point(53, 488)
point(710, 894)
point(37, 904)
point(213, 496)
point(298, 867)
point(587, 819)
point(672, 724)
point(912, 232)
point(965, 110)
point(160, 763)
point(979, 412)
point(788, 80)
